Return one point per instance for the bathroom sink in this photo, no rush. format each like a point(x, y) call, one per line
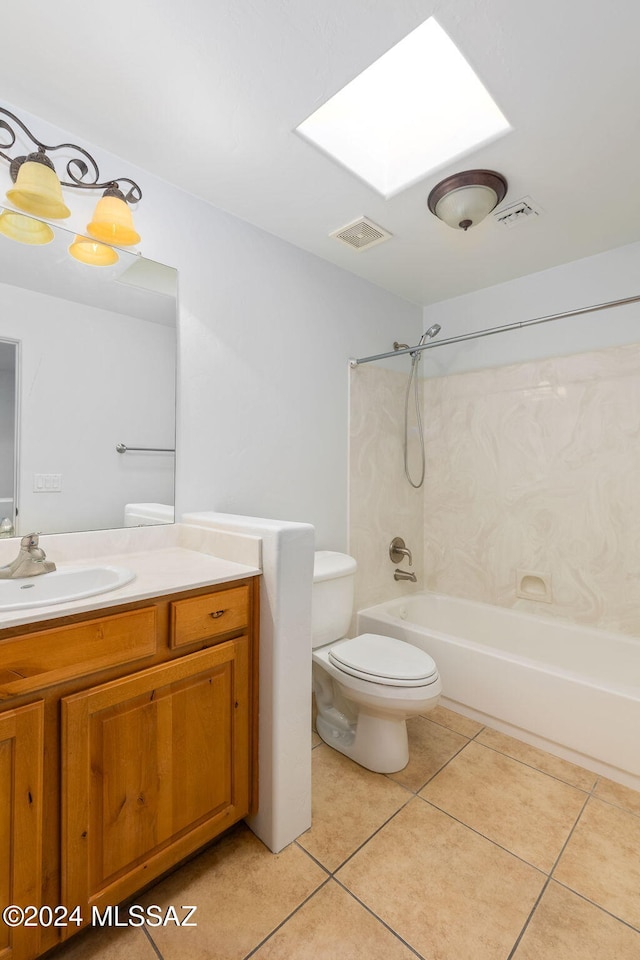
point(60, 586)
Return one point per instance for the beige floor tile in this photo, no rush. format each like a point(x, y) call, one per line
point(349, 804)
point(525, 811)
point(315, 739)
point(333, 925)
point(540, 759)
point(430, 747)
point(619, 795)
point(566, 927)
point(444, 889)
point(601, 860)
point(455, 721)
point(125, 943)
point(242, 892)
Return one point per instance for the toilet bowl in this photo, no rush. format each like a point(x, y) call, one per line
point(368, 686)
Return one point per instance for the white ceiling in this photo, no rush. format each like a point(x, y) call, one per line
point(206, 94)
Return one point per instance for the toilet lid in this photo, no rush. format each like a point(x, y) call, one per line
point(384, 660)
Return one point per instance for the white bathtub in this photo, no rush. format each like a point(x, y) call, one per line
point(572, 690)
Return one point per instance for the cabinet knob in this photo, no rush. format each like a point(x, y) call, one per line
point(216, 614)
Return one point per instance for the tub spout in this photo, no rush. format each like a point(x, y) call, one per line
point(405, 575)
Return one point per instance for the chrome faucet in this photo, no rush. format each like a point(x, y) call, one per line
point(405, 575)
point(30, 562)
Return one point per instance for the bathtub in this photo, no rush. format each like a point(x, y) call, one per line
point(571, 690)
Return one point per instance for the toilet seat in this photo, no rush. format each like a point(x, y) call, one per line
point(384, 660)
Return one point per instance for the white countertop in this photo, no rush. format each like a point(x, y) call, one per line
point(158, 572)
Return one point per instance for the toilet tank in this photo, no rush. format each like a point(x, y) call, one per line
point(332, 602)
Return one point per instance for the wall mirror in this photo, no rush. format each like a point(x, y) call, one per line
point(87, 366)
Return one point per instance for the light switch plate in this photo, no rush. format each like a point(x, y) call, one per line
point(47, 482)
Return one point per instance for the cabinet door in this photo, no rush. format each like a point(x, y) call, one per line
point(154, 766)
point(21, 756)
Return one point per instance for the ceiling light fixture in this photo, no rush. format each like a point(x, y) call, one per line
point(465, 199)
point(38, 190)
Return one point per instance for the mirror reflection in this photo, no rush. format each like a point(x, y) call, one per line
point(87, 364)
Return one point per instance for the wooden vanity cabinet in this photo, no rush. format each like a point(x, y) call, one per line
point(115, 768)
point(21, 804)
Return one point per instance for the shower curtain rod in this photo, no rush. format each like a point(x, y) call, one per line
point(491, 330)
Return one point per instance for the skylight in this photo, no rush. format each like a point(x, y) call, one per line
point(415, 109)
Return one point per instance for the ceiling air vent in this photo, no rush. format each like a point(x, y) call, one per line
point(361, 234)
point(518, 212)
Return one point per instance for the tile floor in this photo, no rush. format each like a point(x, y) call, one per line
point(483, 848)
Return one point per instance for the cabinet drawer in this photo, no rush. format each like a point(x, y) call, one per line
point(202, 617)
point(42, 659)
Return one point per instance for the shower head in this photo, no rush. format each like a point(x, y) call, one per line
point(433, 331)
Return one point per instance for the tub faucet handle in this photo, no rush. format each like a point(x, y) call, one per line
point(398, 550)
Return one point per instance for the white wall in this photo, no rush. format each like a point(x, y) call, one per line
point(608, 276)
point(265, 333)
point(89, 379)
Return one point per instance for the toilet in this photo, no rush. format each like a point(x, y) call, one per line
point(365, 687)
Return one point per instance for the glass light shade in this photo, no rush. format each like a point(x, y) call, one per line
point(16, 226)
point(93, 253)
point(37, 190)
point(466, 205)
point(112, 222)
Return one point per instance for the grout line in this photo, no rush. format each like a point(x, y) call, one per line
point(311, 856)
point(152, 942)
point(379, 919)
point(614, 804)
point(548, 880)
point(286, 919)
point(571, 832)
point(545, 773)
point(484, 836)
point(411, 797)
point(451, 729)
point(440, 769)
point(598, 906)
point(529, 919)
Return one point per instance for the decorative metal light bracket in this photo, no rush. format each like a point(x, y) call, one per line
point(82, 170)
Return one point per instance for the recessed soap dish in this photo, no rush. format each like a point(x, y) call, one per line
point(532, 585)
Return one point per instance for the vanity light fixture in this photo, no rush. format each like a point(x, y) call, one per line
point(23, 229)
point(464, 199)
point(38, 190)
point(91, 252)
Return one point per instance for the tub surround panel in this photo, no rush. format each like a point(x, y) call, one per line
point(533, 468)
point(382, 503)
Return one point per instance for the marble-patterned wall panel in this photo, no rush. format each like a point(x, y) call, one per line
point(534, 467)
point(382, 503)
